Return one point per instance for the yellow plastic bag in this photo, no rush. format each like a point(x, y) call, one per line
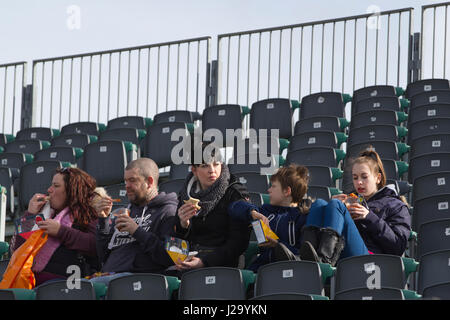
point(18, 274)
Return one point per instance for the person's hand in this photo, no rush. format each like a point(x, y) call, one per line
point(124, 223)
point(259, 216)
point(271, 243)
point(190, 263)
point(357, 211)
point(186, 212)
point(36, 203)
point(50, 226)
point(103, 207)
point(341, 197)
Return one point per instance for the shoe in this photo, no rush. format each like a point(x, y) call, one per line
point(331, 246)
point(282, 253)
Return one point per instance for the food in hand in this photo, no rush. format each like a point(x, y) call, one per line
point(194, 202)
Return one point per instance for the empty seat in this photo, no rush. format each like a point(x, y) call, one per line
point(142, 286)
point(158, 144)
point(376, 132)
point(317, 139)
point(386, 149)
point(36, 177)
point(371, 271)
point(370, 294)
point(289, 277)
point(430, 97)
point(376, 91)
point(180, 171)
point(378, 103)
point(26, 146)
point(58, 290)
point(213, 283)
point(255, 163)
point(425, 85)
point(433, 270)
point(438, 291)
point(132, 135)
point(322, 192)
point(431, 185)
point(386, 117)
point(129, 122)
point(429, 209)
point(61, 153)
point(223, 117)
point(90, 128)
point(324, 176)
point(15, 159)
point(428, 112)
point(323, 104)
point(284, 296)
point(436, 126)
point(428, 163)
point(37, 133)
point(75, 140)
point(171, 186)
point(105, 161)
point(254, 181)
point(323, 123)
point(273, 114)
point(174, 116)
point(259, 144)
point(318, 156)
point(430, 144)
point(433, 236)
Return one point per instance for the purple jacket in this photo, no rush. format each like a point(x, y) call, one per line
point(387, 227)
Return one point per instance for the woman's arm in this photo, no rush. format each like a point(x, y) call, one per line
point(74, 239)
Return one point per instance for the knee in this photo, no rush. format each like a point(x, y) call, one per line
point(319, 203)
point(337, 205)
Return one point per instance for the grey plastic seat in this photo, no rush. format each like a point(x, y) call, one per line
point(223, 117)
point(386, 117)
point(317, 139)
point(376, 91)
point(136, 122)
point(15, 159)
point(322, 192)
point(5, 138)
point(142, 286)
point(6, 181)
point(429, 209)
point(171, 186)
point(370, 294)
point(433, 184)
point(254, 163)
point(58, 290)
point(319, 156)
point(385, 148)
point(118, 191)
point(289, 277)
point(324, 176)
point(254, 181)
point(441, 96)
point(430, 144)
point(36, 177)
point(436, 126)
point(60, 153)
point(179, 171)
point(263, 144)
point(376, 132)
point(323, 104)
point(433, 270)
point(428, 112)
point(26, 146)
point(158, 144)
point(212, 283)
point(377, 103)
point(75, 140)
point(323, 123)
point(433, 236)
point(283, 296)
point(369, 271)
point(256, 198)
point(37, 133)
point(273, 114)
point(428, 163)
point(132, 135)
point(425, 85)
point(86, 127)
point(173, 116)
point(105, 161)
point(439, 291)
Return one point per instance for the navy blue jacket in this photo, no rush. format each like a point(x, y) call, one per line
point(387, 227)
point(286, 222)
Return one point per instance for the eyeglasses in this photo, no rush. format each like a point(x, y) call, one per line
point(64, 170)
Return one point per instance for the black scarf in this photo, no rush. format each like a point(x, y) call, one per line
point(210, 196)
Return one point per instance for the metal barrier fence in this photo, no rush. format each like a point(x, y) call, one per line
point(434, 46)
point(330, 55)
point(142, 81)
point(12, 84)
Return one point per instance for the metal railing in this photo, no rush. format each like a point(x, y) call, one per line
point(434, 41)
point(292, 61)
point(12, 84)
point(142, 81)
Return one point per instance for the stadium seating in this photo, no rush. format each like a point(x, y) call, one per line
point(254, 181)
point(171, 186)
point(87, 127)
point(37, 133)
point(427, 164)
point(370, 294)
point(6, 180)
point(317, 139)
point(76, 140)
point(433, 270)
point(425, 85)
point(179, 171)
point(136, 122)
point(439, 291)
point(6, 138)
point(323, 104)
point(437, 126)
point(119, 192)
point(387, 149)
point(26, 146)
point(176, 116)
point(324, 176)
point(376, 132)
point(58, 290)
point(433, 236)
point(429, 144)
point(320, 156)
point(322, 123)
point(379, 103)
point(430, 97)
point(428, 112)
point(431, 185)
point(60, 153)
point(380, 117)
point(429, 209)
point(376, 91)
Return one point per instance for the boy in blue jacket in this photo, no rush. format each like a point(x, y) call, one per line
point(285, 215)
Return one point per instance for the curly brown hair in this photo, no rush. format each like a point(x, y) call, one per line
point(80, 188)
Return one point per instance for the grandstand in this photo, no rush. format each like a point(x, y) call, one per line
point(329, 88)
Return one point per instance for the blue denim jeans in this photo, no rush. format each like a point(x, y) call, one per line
point(107, 279)
point(334, 214)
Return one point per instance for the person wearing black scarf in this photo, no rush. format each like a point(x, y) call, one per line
point(218, 238)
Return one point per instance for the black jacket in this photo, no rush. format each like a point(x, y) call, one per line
point(227, 238)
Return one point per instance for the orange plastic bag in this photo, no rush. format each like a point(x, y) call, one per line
point(18, 274)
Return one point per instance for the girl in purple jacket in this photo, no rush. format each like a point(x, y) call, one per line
point(381, 223)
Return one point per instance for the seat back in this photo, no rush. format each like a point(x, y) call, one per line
point(431, 185)
point(435, 126)
point(223, 117)
point(430, 209)
point(433, 270)
point(433, 236)
point(142, 286)
point(171, 186)
point(440, 96)
point(136, 122)
point(425, 85)
point(373, 91)
point(430, 144)
point(272, 114)
point(377, 103)
point(428, 163)
point(86, 127)
point(58, 290)
point(322, 104)
point(370, 294)
point(173, 116)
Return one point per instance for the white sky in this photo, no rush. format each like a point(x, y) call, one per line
point(32, 29)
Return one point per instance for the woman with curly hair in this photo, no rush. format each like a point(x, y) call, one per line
point(70, 224)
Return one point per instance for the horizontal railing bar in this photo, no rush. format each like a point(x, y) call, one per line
point(12, 64)
point(435, 5)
